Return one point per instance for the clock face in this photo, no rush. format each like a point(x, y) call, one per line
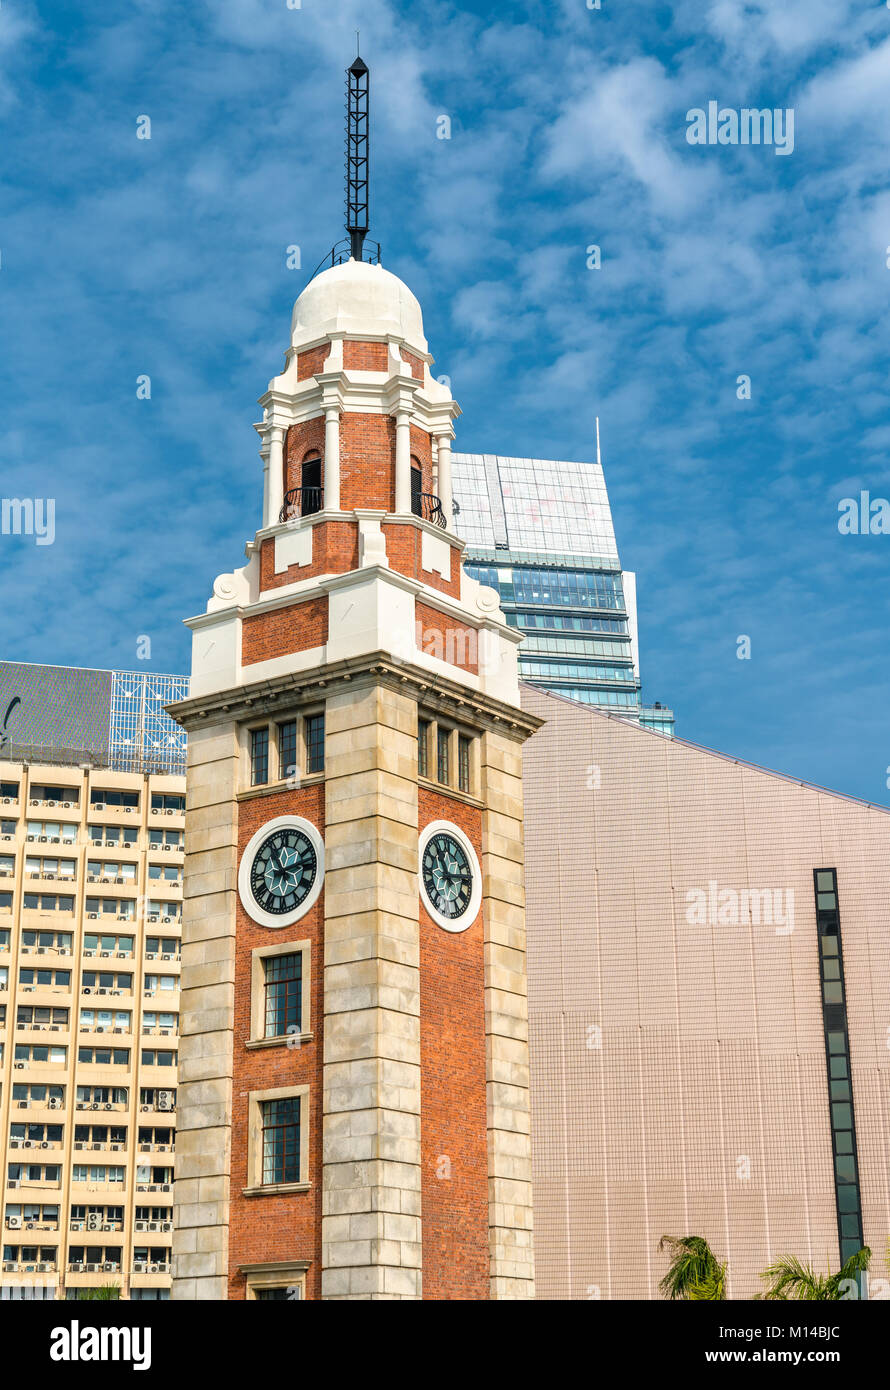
point(281, 872)
point(449, 876)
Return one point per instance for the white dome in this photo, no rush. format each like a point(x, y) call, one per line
point(357, 298)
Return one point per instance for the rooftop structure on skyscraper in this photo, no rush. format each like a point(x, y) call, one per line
point(71, 715)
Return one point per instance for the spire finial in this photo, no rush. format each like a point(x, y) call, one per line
point(357, 85)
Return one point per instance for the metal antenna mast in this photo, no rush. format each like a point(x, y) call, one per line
point(356, 244)
point(357, 83)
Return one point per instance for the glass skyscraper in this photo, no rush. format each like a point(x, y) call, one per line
point(540, 532)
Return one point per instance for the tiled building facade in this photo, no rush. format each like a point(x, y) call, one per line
point(709, 977)
point(90, 913)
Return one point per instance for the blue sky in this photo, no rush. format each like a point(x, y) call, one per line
point(167, 257)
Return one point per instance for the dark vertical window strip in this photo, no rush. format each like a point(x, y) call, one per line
point(287, 750)
point(463, 763)
point(848, 1198)
point(259, 757)
point(315, 743)
point(442, 769)
point(423, 748)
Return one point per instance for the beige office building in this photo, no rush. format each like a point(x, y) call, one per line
point(90, 909)
point(709, 1009)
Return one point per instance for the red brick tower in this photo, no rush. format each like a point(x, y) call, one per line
point(353, 1094)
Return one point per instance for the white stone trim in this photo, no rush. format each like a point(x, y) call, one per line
point(361, 393)
point(251, 907)
point(448, 924)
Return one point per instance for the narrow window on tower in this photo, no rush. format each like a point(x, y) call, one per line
point(284, 995)
point(287, 749)
point(281, 1140)
point(423, 747)
point(314, 732)
point(442, 766)
point(416, 490)
point(259, 757)
point(463, 763)
point(310, 486)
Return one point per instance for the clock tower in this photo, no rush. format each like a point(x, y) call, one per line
point(352, 1112)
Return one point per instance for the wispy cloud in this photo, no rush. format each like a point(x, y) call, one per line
point(567, 128)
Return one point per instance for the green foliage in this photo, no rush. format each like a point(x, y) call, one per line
point(105, 1294)
point(788, 1279)
point(695, 1273)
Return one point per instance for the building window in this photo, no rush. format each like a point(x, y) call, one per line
point(284, 994)
point(314, 743)
point(442, 763)
point(423, 748)
point(281, 1140)
point(287, 749)
point(280, 990)
point(259, 757)
point(310, 483)
point(277, 1141)
point(463, 763)
point(276, 1282)
point(110, 796)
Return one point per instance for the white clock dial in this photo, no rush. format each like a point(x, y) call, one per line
point(282, 870)
point(449, 876)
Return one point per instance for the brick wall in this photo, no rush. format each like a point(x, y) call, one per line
point(308, 363)
point(305, 438)
point(422, 453)
point(446, 638)
point(415, 363)
point(334, 551)
point(367, 461)
point(297, 628)
point(286, 1227)
point(453, 1123)
point(365, 357)
point(405, 550)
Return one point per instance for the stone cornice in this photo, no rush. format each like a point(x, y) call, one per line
point(340, 335)
point(360, 392)
point(419, 523)
point(435, 692)
point(287, 595)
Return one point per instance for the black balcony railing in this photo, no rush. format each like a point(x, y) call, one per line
point(427, 505)
point(301, 501)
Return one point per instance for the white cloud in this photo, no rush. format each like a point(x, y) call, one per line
point(623, 121)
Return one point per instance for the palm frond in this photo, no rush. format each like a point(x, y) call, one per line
point(848, 1275)
point(694, 1272)
point(789, 1278)
point(711, 1289)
